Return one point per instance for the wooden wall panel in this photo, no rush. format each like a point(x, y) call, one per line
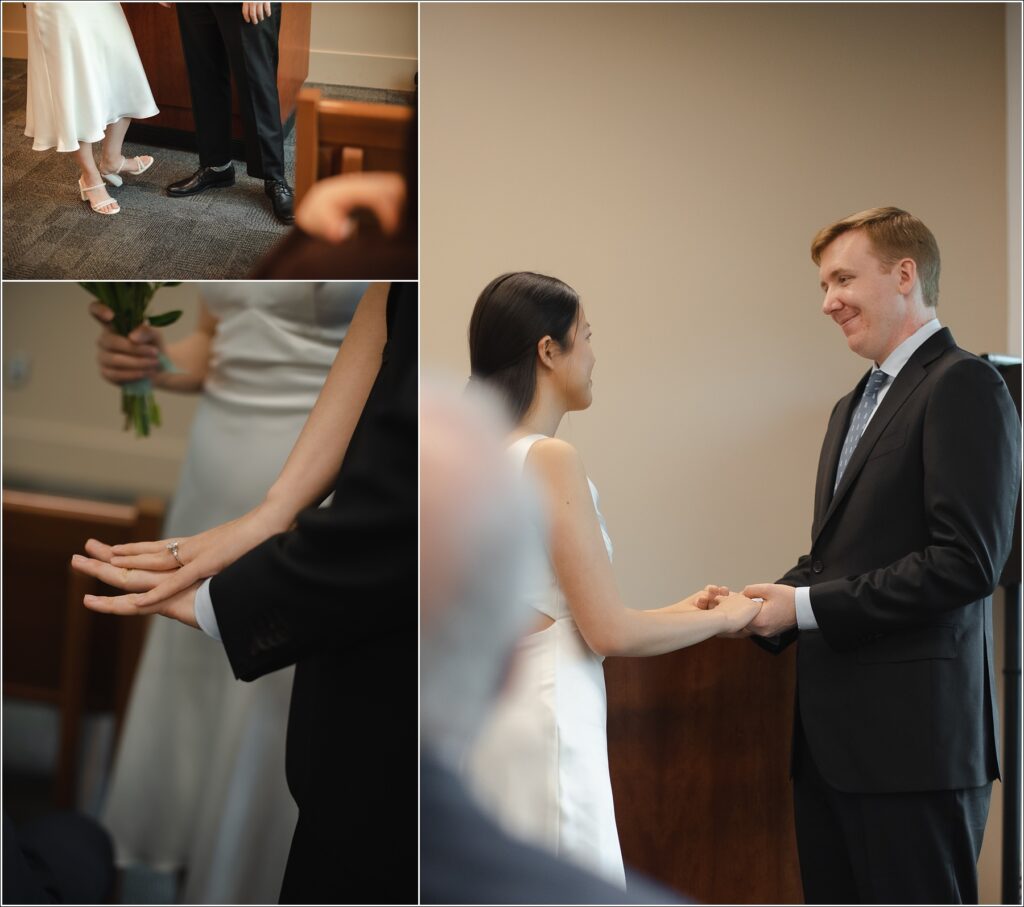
point(699, 748)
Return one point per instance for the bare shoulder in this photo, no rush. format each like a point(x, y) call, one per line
point(557, 463)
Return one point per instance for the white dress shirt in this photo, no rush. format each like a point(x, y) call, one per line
point(205, 616)
point(895, 361)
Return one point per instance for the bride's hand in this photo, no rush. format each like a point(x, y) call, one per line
point(123, 359)
point(708, 597)
point(700, 601)
point(738, 611)
point(180, 606)
point(202, 555)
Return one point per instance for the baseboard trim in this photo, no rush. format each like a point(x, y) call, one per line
point(362, 70)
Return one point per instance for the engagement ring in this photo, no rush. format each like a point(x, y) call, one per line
point(173, 548)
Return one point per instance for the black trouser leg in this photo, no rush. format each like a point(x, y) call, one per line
point(252, 51)
point(825, 869)
point(919, 848)
point(894, 848)
point(209, 80)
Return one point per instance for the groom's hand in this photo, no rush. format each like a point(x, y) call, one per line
point(778, 613)
point(713, 595)
point(254, 13)
point(180, 607)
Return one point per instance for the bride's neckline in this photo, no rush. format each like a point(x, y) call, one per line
point(515, 437)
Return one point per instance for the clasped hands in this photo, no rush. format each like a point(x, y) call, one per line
point(776, 614)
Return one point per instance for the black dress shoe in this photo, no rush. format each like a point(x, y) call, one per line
point(204, 178)
point(282, 197)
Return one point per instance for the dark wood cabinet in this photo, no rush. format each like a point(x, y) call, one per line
point(159, 42)
point(699, 750)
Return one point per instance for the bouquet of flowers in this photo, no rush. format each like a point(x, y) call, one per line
point(128, 302)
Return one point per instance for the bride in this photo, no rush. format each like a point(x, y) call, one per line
point(86, 83)
point(541, 764)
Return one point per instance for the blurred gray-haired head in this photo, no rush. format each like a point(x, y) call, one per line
point(476, 519)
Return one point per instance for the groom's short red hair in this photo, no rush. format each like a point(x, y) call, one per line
point(894, 234)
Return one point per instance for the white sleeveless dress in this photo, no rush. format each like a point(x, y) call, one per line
point(541, 763)
point(84, 73)
point(198, 780)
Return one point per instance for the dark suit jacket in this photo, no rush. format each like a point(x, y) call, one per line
point(336, 596)
point(895, 689)
point(467, 859)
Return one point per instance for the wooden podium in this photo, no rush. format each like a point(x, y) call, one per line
point(698, 745)
point(159, 42)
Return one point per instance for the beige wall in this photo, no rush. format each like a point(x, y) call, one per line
point(372, 45)
point(62, 428)
point(672, 163)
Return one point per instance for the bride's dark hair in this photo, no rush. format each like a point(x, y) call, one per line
point(511, 315)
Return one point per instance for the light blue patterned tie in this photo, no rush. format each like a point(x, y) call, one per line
point(860, 420)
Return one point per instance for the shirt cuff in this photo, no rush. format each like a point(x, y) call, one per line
point(205, 616)
point(805, 619)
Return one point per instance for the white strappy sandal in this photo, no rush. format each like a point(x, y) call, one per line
point(99, 207)
point(115, 179)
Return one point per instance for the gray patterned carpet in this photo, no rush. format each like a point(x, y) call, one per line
point(50, 234)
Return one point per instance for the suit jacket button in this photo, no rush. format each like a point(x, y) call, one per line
point(817, 566)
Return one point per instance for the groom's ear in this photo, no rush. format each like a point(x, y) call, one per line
point(546, 349)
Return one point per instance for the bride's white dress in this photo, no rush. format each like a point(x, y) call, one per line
point(541, 764)
point(84, 73)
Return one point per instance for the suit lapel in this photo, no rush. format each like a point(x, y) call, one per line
point(910, 376)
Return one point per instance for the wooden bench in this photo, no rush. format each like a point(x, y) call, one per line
point(55, 650)
point(333, 137)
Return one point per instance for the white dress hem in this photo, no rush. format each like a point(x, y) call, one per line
point(62, 147)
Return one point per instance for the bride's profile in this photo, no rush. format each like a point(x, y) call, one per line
point(541, 763)
point(85, 85)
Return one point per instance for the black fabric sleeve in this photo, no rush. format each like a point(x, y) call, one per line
point(346, 574)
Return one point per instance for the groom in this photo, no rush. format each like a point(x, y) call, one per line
point(221, 39)
point(894, 738)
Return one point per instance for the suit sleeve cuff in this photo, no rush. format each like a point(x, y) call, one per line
point(205, 616)
point(805, 619)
